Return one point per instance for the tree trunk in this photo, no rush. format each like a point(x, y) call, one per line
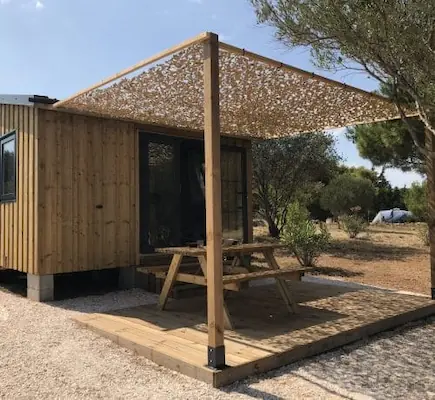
point(430, 147)
point(273, 229)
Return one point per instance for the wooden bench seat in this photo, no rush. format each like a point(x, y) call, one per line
point(274, 273)
point(154, 269)
point(197, 280)
point(230, 280)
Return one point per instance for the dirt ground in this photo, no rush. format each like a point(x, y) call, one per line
point(390, 256)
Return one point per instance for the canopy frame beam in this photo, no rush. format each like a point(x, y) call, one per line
point(150, 60)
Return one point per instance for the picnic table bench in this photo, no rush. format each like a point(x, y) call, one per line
point(234, 274)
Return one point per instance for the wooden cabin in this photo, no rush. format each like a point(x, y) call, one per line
point(158, 155)
point(85, 193)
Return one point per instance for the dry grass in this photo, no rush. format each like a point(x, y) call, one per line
point(390, 256)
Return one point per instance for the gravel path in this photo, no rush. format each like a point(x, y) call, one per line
point(44, 355)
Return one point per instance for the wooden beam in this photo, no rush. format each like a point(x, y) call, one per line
point(196, 280)
point(197, 39)
point(215, 289)
point(165, 267)
point(267, 273)
point(281, 283)
point(354, 123)
point(170, 280)
point(430, 166)
point(226, 318)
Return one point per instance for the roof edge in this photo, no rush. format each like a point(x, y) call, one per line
point(26, 99)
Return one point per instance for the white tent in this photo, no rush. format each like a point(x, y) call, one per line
point(392, 216)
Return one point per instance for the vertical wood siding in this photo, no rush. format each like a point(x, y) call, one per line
point(76, 207)
point(87, 209)
point(18, 218)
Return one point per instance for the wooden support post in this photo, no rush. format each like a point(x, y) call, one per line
point(227, 319)
point(215, 298)
point(430, 165)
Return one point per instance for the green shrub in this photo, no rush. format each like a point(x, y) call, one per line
point(353, 225)
point(423, 234)
point(303, 237)
point(346, 192)
point(416, 200)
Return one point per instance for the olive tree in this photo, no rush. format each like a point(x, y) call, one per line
point(346, 193)
point(288, 169)
point(391, 40)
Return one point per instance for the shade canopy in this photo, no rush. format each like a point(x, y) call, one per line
point(259, 97)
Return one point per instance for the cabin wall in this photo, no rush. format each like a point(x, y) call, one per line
point(88, 193)
point(18, 221)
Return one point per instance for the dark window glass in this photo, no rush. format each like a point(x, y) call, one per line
point(233, 192)
point(8, 166)
point(173, 195)
point(163, 195)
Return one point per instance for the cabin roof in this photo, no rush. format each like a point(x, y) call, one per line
point(25, 99)
point(259, 97)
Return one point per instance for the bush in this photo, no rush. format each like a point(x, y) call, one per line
point(416, 200)
point(423, 234)
point(353, 225)
point(345, 192)
point(303, 237)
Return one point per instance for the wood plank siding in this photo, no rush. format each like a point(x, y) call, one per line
point(87, 209)
point(18, 218)
point(77, 191)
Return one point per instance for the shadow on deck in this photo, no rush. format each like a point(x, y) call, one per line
point(265, 335)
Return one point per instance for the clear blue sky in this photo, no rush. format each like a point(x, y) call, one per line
point(57, 47)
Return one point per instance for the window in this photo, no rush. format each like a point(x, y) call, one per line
point(163, 194)
point(233, 175)
point(8, 167)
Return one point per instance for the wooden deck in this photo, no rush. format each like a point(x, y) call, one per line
point(265, 335)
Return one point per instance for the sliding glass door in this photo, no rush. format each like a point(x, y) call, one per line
point(172, 192)
point(159, 192)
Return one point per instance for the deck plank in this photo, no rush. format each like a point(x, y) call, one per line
point(267, 336)
point(249, 353)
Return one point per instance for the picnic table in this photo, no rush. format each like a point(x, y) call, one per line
point(234, 274)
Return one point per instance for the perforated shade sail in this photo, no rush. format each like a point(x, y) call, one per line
point(259, 97)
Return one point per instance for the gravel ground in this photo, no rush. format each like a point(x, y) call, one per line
point(45, 355)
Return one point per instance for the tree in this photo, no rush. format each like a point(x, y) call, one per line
point(288, 169)
point(389, 144)
point(386, 196)
point(360, 172)
point(347, 192)
point(393, 41)
point(416, 200)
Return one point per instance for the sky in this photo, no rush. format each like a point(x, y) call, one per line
point(58, 47)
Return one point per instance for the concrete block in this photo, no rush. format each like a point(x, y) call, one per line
point(40, 287)
point(127, 278)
